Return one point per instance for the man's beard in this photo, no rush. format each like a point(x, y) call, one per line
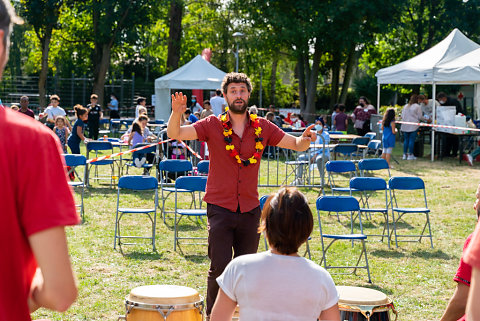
point(236, 109)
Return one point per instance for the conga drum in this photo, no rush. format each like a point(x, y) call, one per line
point(364, 304)
point(163, 303)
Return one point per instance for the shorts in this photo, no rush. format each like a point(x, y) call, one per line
point(388, 150)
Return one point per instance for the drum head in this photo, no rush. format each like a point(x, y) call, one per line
point(352, 295)
point(163, 294)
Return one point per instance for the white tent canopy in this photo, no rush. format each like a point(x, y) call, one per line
point(422, 69)
point(196, 74)
point(464, 69)
point(437, 65)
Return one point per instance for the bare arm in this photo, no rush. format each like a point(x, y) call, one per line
point(299, 143)
point(473, 308)
point(330, 314)
point(53, 286)
point(223, 308)
point(457, 304)
point(394, 128)
point(174, 130)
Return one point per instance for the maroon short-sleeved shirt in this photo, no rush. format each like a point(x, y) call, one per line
point(464, 271)
point(472, 253)
point(232, 185)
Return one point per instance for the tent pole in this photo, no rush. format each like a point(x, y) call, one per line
point(378, 98)
point(434, 119)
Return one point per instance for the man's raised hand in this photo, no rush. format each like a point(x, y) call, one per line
point(179, 103)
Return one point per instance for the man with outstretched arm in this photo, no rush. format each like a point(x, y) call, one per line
point(236, 141)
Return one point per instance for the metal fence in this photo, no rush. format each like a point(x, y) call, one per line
point(72, 91)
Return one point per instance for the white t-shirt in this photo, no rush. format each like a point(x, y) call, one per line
point(217, 104)
point(197, 108)
point(268, 286)
point(136, 110)
point(53, 112)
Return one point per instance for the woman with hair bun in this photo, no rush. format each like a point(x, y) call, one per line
point(76, 136)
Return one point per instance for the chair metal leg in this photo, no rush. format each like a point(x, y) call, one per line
point(366, 260)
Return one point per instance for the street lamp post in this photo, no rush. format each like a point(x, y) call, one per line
point(237, 35)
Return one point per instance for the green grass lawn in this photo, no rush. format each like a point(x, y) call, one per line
point(416, 277)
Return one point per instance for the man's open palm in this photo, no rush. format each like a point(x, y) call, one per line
point(179, 103)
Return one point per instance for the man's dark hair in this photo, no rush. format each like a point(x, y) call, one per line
point(218, 92)
point(269, 115)
point(24, 98)
point(441, 95)
point(236, 77)
point(141, 100)
point(341, 107)
point(7, 18)
point(188, 111)
point(287, 220)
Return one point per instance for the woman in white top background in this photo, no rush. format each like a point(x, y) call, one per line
point(278, 284)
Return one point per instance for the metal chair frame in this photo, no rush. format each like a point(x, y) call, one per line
point(138, 154)
point(368, 186)
point(409, 183)
point(192, 184)
point(97, 146)
point(341, 204)
point(136, 183)
point(73, 161)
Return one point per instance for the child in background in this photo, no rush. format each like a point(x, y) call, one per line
point(136, 135)
point(336, 111)
point(388, 137)
point(61, 131)
point(76, 136)
point(341, 119)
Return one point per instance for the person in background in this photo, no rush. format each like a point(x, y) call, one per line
point(61, 131)
point(388, 135)
point(427, 105)
point(218, 103)
point(361, 116)
point(141, 102)
point(36, 269)
point(14, 107)
point(253, 110)
point(195, 107)
point(24, 107)
point(76, 136)
point(336, 110)
point(411, 112)
point(207, 111)
point(94, 116)
point(458, 302)
point(113, 106)
point(450, 147)
point(54, 110)
point(250, 280)
point(341, 119)
point(189, 117)
point(472, 257)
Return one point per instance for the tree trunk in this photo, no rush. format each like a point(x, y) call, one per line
point(312, 84)
point(101, 65)
point(301, 82)
point(335, 78)
point(273, 79)
point(349, 71)
point(42, 78)
point(175, 35)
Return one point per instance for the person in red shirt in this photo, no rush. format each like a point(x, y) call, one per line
point(236, 141)
point(35, 270)
point(458, 302)
point(472, 256)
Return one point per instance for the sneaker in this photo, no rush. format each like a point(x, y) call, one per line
point(411, 157)
point(404, 156)
point(469, 159)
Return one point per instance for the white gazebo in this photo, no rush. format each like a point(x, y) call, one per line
point(196, 74)
point(427, 67)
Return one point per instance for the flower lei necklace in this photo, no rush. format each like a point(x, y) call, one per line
point(227, 132)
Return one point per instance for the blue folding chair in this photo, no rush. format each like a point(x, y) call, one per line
point(169, 170)
point(136, 183)
point(368, 186)
point(341, 204)
point(372, 164)
point(371, 135)
point(192, 184)
point(74, 161)
point(203, 167)
point(361, 141)
point(374, 148)
point(346, 151)
point(397, 184)
point(139, 158)
point(342, 167)
point(96, 147)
